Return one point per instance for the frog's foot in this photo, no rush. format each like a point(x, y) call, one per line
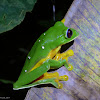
point(54, 79)
point(65, 56)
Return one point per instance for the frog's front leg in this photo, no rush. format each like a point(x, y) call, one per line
point(65, 56)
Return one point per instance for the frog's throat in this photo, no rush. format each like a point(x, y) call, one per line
point(51, 54)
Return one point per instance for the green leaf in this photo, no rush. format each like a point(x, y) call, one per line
point(6, 81)
point(12, 12)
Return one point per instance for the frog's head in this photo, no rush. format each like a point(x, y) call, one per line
point(69, 34)
point(64, 34)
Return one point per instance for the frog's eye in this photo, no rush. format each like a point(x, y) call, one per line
point(69, 33)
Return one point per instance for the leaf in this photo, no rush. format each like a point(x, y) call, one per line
point(12, 12)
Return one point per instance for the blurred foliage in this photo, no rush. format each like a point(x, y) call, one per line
point(12, 12)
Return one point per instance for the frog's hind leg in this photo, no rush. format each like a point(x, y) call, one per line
point(49, 78)
point(56, 79)
point(53, 78)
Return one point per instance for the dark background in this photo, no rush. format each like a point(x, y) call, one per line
point(16, 43)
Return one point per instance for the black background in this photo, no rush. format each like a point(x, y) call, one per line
point(16, 43)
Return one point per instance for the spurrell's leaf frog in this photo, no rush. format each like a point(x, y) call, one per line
point(45, 55)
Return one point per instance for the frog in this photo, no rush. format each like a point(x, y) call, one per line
point(45, 55)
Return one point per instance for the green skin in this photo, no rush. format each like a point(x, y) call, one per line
point(49, 40)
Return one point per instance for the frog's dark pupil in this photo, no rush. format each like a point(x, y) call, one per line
point(69, 33)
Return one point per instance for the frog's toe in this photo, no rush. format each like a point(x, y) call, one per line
point(60, 85)
point(70, 67)
point(63, 78)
